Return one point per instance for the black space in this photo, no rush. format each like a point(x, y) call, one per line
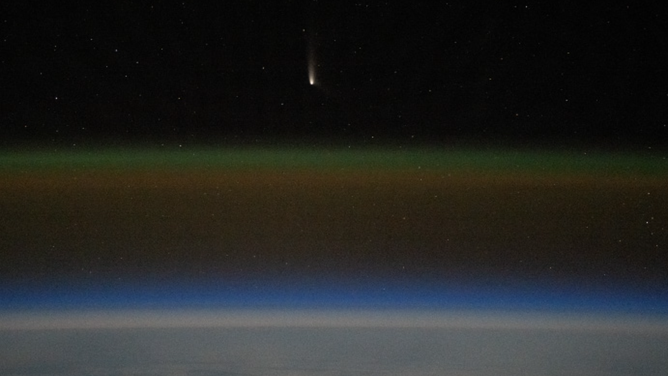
point(409, 70)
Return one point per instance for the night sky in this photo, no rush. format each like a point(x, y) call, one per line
point(405, 145)
point(210, 71)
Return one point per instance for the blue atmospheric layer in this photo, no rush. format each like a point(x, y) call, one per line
point(330, 295)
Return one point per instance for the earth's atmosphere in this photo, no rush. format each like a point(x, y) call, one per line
point(332, 262)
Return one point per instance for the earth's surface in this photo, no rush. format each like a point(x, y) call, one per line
point(330, 343)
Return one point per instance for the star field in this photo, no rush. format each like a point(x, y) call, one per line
point(203, 71)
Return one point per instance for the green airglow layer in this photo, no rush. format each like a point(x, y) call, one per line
point(341, 159)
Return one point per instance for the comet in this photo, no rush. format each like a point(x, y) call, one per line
point(311, 65)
